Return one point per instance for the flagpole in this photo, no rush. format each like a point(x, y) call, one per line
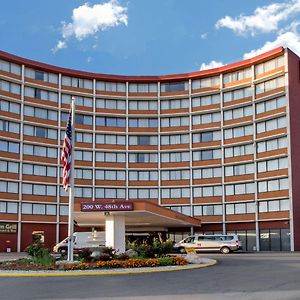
point(71, 190)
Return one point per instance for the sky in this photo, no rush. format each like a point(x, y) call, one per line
point(147, 37)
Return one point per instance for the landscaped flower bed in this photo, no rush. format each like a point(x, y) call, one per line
point(28, 265)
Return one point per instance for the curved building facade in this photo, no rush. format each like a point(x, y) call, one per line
point(221, 145)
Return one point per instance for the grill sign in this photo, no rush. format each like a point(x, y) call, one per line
point(8, 228)
point(107, 206)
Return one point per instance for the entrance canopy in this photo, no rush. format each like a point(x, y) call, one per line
point(137, 214)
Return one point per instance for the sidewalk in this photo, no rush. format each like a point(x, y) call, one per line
point(4, 256)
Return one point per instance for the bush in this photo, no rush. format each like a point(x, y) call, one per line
point(39, 254)
point(166, 261)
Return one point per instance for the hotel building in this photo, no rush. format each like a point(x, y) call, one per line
point(221, 145)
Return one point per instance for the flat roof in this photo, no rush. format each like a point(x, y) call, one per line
point(143, 214)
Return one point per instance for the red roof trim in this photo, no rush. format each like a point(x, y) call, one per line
point(121, 78)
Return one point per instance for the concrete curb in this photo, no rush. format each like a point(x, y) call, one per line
point(104, 272)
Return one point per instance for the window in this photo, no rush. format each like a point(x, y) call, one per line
point(269, 85)
point(175, 193)
point(208, 210)
point(206, 82)
point(63, 210)
point(175, 157)
point(79, 101)
point(236, 76)
point(207, 191)
point(204, 137)
point(143, 105)
point(273, 185)
point(206, 154)
point(110, 175)
point(83, 192)
point(110, 122)
point(43, 76)
point(9, 187)
point(270, 145)
point(38, 189)
point(36, 112)
point(10, 87)
point(143, 140)
point(39, 151)
point(10, 67)
point(206, 100)
point(9, 126)
point(83, 155)
point(175, 175)
point(272, 165)
point(174, 86)
point(41, 94)
point(239, 189)
point(270, 105)
point(39, 170)
point(110, 193)
point(39, 209)
point(237, 132)
point(143, 175)
point(143, 193)
point(111, 86)
point(207, 173)
point(9, 167)
point(110, 139)
point(110, 104)
point(239, 150)
point(143, 123)
point(174, 104)
point(77, 82)
point(110, 157)
point(83, 173)
point(41, 132)
point(237, 170)
point(142, 87)
point(175, 139)
point(237, 113)
point(206, 118)
point(274, 205)
point(9, 147)
point(237, 94)
point(174, 122)
point(143, 157)
point(269, 65)
point(83, 137)
point(8, 207)
point(10, 107)
point(83, 119)
point(240, 208)
point(272, 124)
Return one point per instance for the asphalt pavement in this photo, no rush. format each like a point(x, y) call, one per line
point(274, 276)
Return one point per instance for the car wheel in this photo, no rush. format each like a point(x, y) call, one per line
point(225, 250)
point(181, 250)
point(62, 251)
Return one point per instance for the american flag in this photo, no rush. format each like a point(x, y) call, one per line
point(66, 155)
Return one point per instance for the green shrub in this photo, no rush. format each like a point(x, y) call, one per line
point(39, 254)
point(166, 261)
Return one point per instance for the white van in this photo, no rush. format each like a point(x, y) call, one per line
point(82, 240)
point(218, 242)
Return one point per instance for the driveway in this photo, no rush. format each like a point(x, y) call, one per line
point(237, 276)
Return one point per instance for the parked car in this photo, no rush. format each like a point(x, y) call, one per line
point(222, 243)
point(82, 240)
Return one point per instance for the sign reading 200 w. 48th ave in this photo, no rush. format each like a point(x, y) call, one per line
point(107, 206)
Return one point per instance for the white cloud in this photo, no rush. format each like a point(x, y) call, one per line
point(89, 20)
point(265, 19)
point(60, 45)
point(287, 39)
point(204, 35)
point(211, 65)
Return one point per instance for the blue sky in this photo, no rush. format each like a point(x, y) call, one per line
point(146, 37)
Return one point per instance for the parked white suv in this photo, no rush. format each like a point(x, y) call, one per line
point(222, 243)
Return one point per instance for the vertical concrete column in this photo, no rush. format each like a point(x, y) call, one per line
point(115, 232)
